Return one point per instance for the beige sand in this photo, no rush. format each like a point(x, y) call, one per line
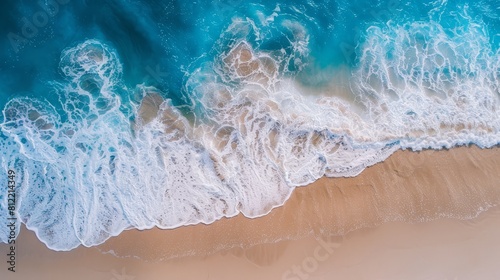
point(410, 187)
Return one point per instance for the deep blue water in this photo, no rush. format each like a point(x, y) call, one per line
point(170, 35)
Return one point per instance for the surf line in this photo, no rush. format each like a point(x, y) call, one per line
point(11, 220)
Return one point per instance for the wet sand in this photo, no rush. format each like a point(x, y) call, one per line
point(414, 216)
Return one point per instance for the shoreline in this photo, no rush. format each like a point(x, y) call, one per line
point(337, 206)
point(409, 191)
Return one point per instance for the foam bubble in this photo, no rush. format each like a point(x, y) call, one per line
point(433, 89)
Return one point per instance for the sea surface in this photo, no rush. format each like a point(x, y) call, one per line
point(120, 114)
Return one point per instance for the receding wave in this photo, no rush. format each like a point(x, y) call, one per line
point(97, 163)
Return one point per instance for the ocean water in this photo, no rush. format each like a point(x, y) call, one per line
point(123, 114)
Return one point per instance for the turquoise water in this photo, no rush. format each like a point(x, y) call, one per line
point(257, 98)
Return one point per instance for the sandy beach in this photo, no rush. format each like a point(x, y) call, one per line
point(417, 215)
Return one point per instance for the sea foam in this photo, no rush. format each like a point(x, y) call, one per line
point(92, 166)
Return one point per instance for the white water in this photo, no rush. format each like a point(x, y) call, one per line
point(91, 174)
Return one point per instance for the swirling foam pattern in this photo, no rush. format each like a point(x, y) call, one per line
point(95, 164)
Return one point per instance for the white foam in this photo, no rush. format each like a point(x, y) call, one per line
point(88, 175)
point(435, 91)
